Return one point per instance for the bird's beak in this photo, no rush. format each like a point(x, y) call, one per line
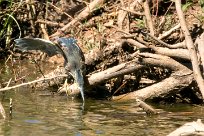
point(81, 88)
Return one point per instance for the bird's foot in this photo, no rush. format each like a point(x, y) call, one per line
point(65, 88)
point(70, 90)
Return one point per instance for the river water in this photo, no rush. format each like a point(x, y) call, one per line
point(57, 115)
point(46, 115)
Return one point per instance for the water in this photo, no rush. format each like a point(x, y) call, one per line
point(36, 115)
point(57, 115)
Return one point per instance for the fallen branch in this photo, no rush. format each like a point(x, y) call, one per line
point(122, 14)
point(122, 69)
point(160, 42)
point(84, 14)
point(100, 77)
point(191, 48)
point(30, 83)
point(180, 78)
point(132, 11)
point(175, 53)
point(167, 33)
point(147, 108)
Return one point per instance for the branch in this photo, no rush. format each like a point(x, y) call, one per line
point(122, 69)
point(189, 129)
point(200, 42)
point(132, 11)
point(84, 14)
point(180, 78)
point(122, 14)
point(148, 17)
point(191, 48)
point(100, 77)
point(32, 82)
point(176, 53)
point(165, 34)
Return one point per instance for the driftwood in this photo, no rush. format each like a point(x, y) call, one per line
point(189, 129)
point(147, 108)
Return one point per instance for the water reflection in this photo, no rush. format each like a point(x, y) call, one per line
point(57, 115)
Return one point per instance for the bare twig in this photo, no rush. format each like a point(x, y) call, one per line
point(156, 39)
point(136, 43)
point(148, 17)
point(30, 9)
point(45, 34)
point(122, 14)
point(176, 53)
point(132, 11)
point(32, 82)
point(9, 82)
point(116, 71)
point(59, 10)
point(50, 23)
point(165, 34)
point(84, 14)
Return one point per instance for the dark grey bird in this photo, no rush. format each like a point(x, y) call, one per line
point(67, 47)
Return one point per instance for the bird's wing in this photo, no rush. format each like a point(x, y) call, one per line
point(73, 53)
point(72, 46)
point(43, 45)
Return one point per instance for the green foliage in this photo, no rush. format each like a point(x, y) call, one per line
point(200, 18)
point(186, 5)
point(140, 23)
point(6, 21)
point(202, 4)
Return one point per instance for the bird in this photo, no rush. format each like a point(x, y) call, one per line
point(74, 58)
